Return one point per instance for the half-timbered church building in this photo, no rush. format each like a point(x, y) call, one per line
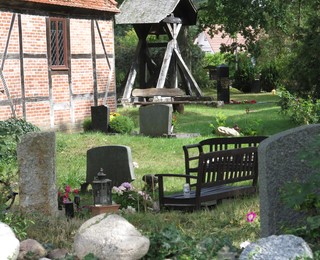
point(56, 60)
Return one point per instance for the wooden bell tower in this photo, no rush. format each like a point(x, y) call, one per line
point(159, 17)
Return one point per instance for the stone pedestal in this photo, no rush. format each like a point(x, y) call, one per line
point(99, 209)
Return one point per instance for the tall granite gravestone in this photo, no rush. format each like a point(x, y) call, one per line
point(37, 179)
point(280, 163)
point(100, 118)
point(115, 160)
point(155, 120)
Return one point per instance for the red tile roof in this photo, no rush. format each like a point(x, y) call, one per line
point(102, 5)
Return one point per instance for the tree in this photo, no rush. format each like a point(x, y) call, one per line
point(279, 33)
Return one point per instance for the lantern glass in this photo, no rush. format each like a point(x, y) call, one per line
point(102, 188)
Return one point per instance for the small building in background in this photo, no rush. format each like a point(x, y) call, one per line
point(56, 60)
point(212, 44)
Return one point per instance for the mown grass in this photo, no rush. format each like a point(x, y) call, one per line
point(165, 155)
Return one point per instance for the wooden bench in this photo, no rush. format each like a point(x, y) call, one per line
point(175, 96)
point(220, 175)
point(192, 152)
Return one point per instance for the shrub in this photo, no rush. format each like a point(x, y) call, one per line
point(301, 111)
point(87, 125)
point(11, 131)
point(269, 78)
point(121, 124)
point(244, 75)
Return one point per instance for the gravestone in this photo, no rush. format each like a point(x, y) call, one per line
point(100, 118)
point(280, 163)
point(115, 160)
point(37, 177)
point(155, 120)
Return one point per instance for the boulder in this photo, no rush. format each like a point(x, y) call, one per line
point(277, 247)
point(32, 247)
point(227, 131)
point(110, 237)
point(9, 243)
point(58, 253)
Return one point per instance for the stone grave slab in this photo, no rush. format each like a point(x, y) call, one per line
point(155, 120)
point(100, 118)
point(280, 163)
point(115, 160)
point(37, 176)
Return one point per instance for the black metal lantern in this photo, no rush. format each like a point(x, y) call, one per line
point(101, 186)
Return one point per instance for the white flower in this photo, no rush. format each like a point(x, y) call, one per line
point(135, 165)
point(129, 209)
point(244, 244)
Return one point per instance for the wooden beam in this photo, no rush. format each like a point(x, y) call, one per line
point(187, 73)
point(94, 65)
point(165, 65)
point(132, 75)
point(23, 92)
point(51, 103)
point(5, 86)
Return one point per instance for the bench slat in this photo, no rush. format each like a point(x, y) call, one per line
point(151, 92)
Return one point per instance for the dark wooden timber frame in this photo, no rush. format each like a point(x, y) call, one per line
point(144, 64)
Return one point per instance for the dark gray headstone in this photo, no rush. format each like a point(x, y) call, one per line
point(100, 118)
point(280, 163)
point(155, 120)
point(37, 177)
point(115, 160)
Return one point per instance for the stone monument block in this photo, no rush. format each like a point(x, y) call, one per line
point(115, 160)
point(280, 163)
point(37, 179)
point(155, 120)
point(100, 118)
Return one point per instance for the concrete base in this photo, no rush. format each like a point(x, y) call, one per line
point(99, 209)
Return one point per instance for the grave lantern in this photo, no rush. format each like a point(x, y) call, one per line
point(102, 190)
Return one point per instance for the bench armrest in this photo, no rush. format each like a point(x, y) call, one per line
point(191, 153)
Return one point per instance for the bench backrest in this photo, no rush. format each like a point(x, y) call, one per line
point(151, 92)
point(224, 143)
point(228, 166)
point(192, 152)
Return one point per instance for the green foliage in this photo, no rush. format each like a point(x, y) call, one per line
point(269, 77)
point(215, 59)
point(121, 124)
point(173, 243)
point(11, 131)
point(87, 125)
point(125, 45)
point(130, 198)
point(305, 197)
point(301, 111)
point(219, 120)
point(244, 75)
point(251, 127)
point(18, 222)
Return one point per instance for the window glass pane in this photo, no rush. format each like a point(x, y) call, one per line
point(53, 43)
point(61, 43)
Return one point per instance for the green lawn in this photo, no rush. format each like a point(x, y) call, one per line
point(165, 155)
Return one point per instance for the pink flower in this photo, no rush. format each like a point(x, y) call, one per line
point(76, 191)
point(127, 185)
point(68, 188)
point(251, 216)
